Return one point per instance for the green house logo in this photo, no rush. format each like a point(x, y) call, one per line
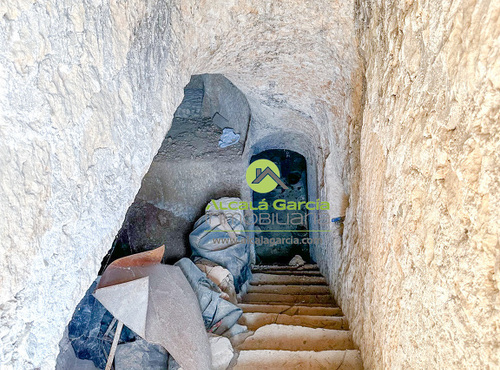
point(263, 176)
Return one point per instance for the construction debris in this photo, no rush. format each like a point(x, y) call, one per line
point(91, 330)
point(162, 313)
point(221, 277)
point(228, 137)
point(218, 314)
point(157, 302)
point(297, 261)
point(140, 355)
point(220, 237)
point(222, 352)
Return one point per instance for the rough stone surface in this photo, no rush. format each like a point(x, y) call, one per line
point(87, 93)
point(395, 107)
point(188, 171)
point(145, 228)
point(418, 270)
point(222, 352)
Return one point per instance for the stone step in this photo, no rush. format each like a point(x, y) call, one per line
point(255, 320)
point(291, 303)
point(306, 267)
point(291, 272)
point(289, 289)
point(295, 360)
point(271, 279)
point(287, 298)
point(305, 304)
point(297, 338)
point(292, 309)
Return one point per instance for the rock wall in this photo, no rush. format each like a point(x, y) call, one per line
point(87, 93)
point(399, 101)
point(418, 272)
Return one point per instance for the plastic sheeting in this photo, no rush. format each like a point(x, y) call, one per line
point(228, 137)
point(219, 236)
point(140, 355)
point(88, 330)
point(218, 314)
point(221, 277)
point(158, 301)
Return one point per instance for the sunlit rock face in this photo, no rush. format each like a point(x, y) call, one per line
point(87, 94)
point(418, 273)
point(396, 106)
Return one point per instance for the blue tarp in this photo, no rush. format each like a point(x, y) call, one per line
point(87, 329)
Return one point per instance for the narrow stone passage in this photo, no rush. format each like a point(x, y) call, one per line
point(296, 321)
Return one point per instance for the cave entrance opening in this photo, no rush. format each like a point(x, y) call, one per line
point(282, 229)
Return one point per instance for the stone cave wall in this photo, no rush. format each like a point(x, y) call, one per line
point(400, 102)
point(418, 272)
point(188, 171)
point(87, 94)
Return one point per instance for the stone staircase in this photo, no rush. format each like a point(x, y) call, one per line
point(296, 322)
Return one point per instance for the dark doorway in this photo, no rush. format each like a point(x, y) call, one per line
point(273, 246)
